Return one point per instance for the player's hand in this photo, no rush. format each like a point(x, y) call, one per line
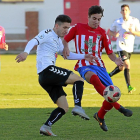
point(117, 34)
point(21, 57)
point(6, 47)
point(119, 62)
point(130, 29)
point(66, 52)
point(90, 57)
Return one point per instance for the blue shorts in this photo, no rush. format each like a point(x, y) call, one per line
point(99, 71)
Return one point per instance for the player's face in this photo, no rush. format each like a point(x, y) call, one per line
point(62, 29)
point(125, 11)
point(94, 20)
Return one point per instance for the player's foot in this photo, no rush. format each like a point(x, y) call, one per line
point(109, 73)
point(125, 112)
point(131, 89)
point(46, 130)
point(101, 122)
point(77, 110)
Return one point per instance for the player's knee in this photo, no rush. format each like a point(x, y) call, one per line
point(121, 68)
point(80, 79)
point(66, 108)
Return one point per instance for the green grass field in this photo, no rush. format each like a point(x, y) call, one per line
point(25, 106)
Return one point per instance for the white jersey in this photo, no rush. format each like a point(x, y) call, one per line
point(49, 44)
point(125, 41)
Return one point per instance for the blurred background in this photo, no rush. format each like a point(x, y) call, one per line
point(23, 19)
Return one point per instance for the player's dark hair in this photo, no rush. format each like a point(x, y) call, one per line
point(62, 18)
point(95, 10)
point(125, 5)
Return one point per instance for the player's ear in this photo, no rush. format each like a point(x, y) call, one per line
point(56, 25)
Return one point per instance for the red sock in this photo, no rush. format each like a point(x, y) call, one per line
point(116, 105)
point(104, 109)
point(95, 81)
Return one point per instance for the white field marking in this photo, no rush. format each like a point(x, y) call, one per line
point(84, 88)
point(39, 85)
point(4, 99)
point(21, 85)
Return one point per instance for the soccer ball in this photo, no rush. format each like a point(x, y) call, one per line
point(112, 94)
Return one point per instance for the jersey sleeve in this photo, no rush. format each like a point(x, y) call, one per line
point(107, 44)
point(71, 33)
point(137, 28)
point(113, 26)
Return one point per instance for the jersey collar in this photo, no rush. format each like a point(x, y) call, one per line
point(55, 34)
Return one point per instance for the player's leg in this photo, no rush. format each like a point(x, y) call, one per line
point(127, 73)
point(78, 83)
point(106, 81)
point(118, 68)
point(49, 79)
point(100, 83)
point(59, 111)
point(62, 77)
point(58, 96)
point(90, 75)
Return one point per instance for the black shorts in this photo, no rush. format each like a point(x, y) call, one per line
point(52, 79)
point(124, 55)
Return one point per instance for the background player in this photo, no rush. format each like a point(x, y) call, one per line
point(91, 39)
point(3, 45)
point(125, 29)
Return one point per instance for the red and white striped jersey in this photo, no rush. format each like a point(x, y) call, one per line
point(89, 41)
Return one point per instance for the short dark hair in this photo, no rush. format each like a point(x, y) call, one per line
point(125, 5)
point(95, 10)
point(62, 18)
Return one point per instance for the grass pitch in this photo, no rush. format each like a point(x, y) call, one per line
point(25, 106)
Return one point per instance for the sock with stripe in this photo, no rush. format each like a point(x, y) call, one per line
point(127, 77)
point(55, 116)
point(115, 71)
point(78, 92)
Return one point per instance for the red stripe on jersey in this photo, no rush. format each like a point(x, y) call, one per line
point(89, 41)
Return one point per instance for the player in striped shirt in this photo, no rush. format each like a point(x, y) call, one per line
point(92, 39)
point(51, 77)
point(125, 29)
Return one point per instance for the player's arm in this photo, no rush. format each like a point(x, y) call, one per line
point(88, 57)
point(109, 51)
point(66, 39)
point(75, 56)
point(114, 33)
point(66, 50)
point(137, 28)
point(112, 30)
point(117, 60)
point(137, 33)
point(22, 56)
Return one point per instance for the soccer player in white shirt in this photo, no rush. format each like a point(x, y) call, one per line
point(125, 29)
point(51, 77)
